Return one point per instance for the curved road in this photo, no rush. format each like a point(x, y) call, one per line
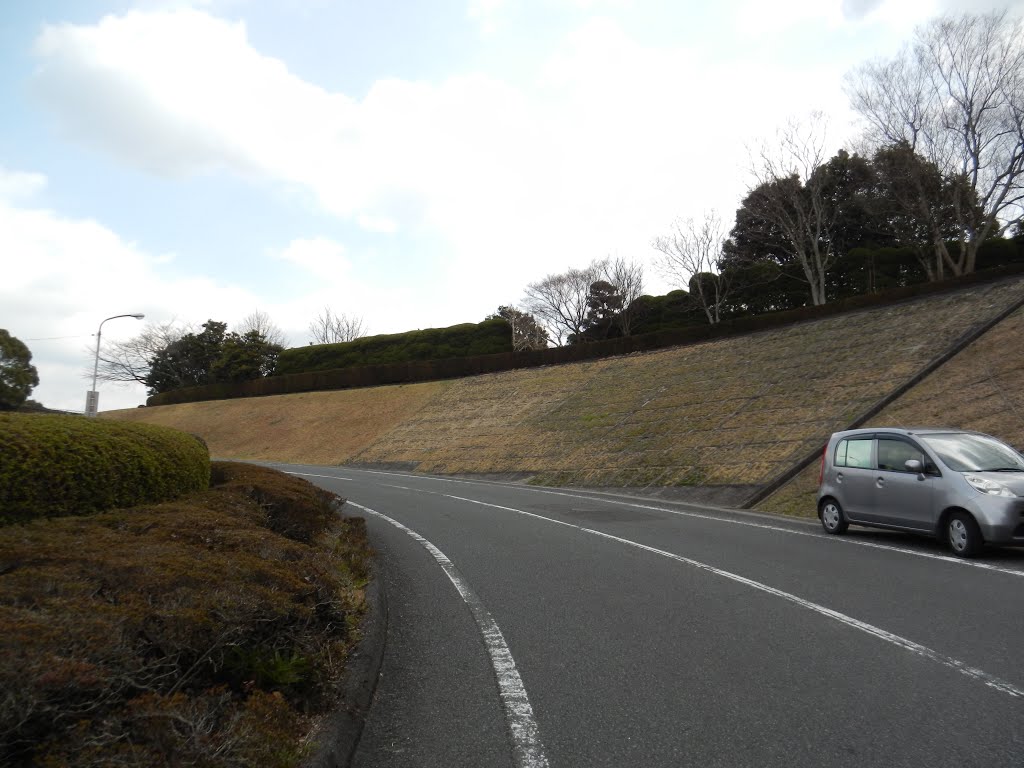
point(537, 627)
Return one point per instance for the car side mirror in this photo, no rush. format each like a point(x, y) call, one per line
point(913, 465)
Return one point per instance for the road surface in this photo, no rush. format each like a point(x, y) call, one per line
point(537, 627)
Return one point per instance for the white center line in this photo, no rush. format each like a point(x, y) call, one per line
point(902, 642)
point(921, 650)
point(527, 748)
point(715, 518)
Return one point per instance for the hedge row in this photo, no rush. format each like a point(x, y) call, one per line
point(429, 370)
point(53, 466)
point(466, 340)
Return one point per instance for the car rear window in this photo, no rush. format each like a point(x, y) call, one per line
point(854, 452)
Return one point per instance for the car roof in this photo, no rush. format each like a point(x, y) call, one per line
point(904, 431)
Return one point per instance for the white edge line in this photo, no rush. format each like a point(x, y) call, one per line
point(527, 748)
point(921, 650)
point(713, 518)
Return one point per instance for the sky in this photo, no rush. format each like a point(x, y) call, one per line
point(415, 164)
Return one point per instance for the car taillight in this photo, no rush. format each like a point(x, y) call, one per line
point(821, 469)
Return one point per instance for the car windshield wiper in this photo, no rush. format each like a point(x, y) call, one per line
point(1001, 469)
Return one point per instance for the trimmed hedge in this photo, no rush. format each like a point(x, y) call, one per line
point(432, 370)
point(54, 466)
point(465, 340)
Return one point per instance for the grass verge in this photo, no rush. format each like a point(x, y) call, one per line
point(207, 631)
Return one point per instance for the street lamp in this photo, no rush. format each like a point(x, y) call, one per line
point(92, 397)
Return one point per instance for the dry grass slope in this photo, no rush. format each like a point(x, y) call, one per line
point(312, 427)
point(978, 389)
point(730, 414)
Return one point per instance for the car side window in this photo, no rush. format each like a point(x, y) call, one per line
point(894, 454)
point(854, 453)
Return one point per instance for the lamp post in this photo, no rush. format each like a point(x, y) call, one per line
point(92, 397)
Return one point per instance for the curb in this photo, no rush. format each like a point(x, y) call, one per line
point(335, 741)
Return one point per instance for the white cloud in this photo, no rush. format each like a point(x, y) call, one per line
point(322, 257)
point(487, 13)
point(613, 141)
point(18, 185)
point(67, 275)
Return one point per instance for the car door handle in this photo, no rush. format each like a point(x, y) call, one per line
point(880, 482)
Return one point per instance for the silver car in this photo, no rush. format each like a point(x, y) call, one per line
point(966, 488)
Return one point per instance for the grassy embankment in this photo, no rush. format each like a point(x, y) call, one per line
point(728, 416)
point(207, 630)
point(982, 389)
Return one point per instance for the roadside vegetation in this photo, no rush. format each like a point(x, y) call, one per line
point(207, 630)
point(979, 389)
point(726, 416)
point(54, 465)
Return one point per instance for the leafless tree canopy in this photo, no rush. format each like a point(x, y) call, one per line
point(261, 323)
point(560, 301)
point(789, 194)
point(694, 248)
point(330, 328)
point(956, 97)
point(628, 278)
point(129, 361)
point(527, 333)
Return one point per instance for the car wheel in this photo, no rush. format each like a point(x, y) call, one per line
point(963, 534)
point(832, 518)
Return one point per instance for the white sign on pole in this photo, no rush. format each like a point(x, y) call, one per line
point(92, 403)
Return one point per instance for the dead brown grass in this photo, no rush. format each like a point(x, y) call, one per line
point(732, 413)
point(979, 389)
point(312, 428)
point(207, 631)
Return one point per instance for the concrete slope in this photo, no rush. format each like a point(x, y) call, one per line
point(719, 419)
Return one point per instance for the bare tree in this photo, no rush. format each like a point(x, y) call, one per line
point(261, 323)
point(628, 279)
point(689, 260)
point(563, 302)
point(329, 328)
point(956, 97)
point(527, 333)
point(560, 302)
point(130, 361)
point(790, 196)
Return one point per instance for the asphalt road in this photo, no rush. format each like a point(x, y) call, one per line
point(536, 627)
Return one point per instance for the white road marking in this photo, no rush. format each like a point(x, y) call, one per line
point(921, 650)
point(528, 751)
point(699, 516)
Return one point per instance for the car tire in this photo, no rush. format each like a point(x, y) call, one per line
point(833, 520)
point(963, 535)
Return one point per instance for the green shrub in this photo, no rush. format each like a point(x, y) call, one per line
point(53, 466)
point(465, 340)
